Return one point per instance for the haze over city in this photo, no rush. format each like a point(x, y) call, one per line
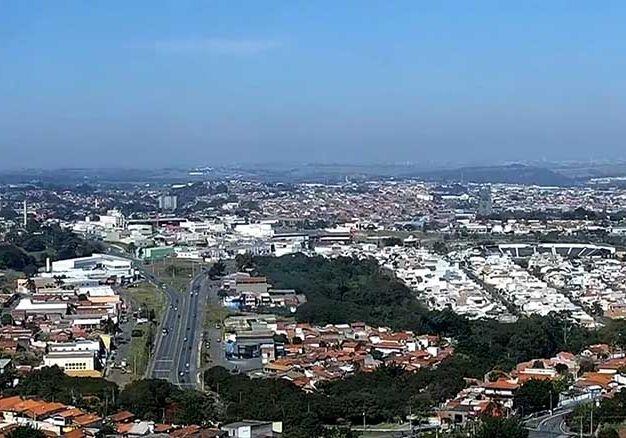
point(143, 83)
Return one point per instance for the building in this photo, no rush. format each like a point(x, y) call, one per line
point(26, 307)
point(253, 429)
point(71, 362)
point(157, 252)
point(168, 202)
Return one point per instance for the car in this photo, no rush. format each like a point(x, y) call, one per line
point(176, 308)
point(164, 331)
point(187, 365)
point(181, 373)
point(185, 339)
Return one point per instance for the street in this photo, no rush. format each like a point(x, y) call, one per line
point(551, 426)
point(175, 356)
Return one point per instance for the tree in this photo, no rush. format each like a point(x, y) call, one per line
point(26, 432)
point(561, 368)
point(440, 247)
point(12, 257)
point(194, 407)
point(106, 430)
point(147, 398)
point(244, 261)
point(586, 366)
point(498, 427)
point(535, 395)
point(608, 432)
point(6, 319)
point(217, 269)
point(392, 241)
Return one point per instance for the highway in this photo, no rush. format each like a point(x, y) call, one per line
point(176, 352)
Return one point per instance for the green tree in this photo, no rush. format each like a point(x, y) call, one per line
point(26, 432)
point(6, 319)
point(561, 368)
point(147, 398)
point(217, 269)
point(194, 407)
point(244, 261)
point(535, 395)
point(608, 432)
point(498, 427)
point(392, 241)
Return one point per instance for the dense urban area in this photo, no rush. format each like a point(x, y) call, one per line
point(233, 306)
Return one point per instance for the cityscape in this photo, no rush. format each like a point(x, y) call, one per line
point(312, 219)
point(483, 300)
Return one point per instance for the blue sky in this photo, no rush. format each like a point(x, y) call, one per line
point(161, 83)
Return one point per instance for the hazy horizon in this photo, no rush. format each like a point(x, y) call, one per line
point(141, 85)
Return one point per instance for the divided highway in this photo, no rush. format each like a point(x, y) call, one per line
point(176, 352)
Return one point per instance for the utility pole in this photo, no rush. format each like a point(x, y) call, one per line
point(550, 402)
point(581, 426)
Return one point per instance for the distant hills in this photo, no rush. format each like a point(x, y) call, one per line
point(508, 174)
point(320, 173)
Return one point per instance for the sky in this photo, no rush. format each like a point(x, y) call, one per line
point(155, 83)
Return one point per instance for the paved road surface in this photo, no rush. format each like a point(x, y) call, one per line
point(175, 356)
point(551, 427)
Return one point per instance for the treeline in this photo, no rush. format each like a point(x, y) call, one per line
point(156, 400)
point(386, 395)
point(26, 250)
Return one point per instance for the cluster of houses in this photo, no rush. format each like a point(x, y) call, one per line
point(64, 315)
point(495, 394)
point(306, 354)
point(522, 290)
point(591, 281)
point(59, 420)
point(240, 291)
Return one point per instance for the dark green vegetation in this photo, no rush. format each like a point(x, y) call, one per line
point(348, 290)
point(384, 395)
point(609, 413)
point(535, 396)
point(496, 427)
point(155, 400)
point(151, 399)
point(25, 250)
point(51, 384)
point(26, 432)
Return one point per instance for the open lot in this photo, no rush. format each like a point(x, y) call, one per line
point(176, 273)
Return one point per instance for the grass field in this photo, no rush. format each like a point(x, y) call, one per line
point(176, 273)
point(139, 351)
point(215, 314)
point(149, 297)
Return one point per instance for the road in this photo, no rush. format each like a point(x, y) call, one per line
point(176, 352)
point(551, 426)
